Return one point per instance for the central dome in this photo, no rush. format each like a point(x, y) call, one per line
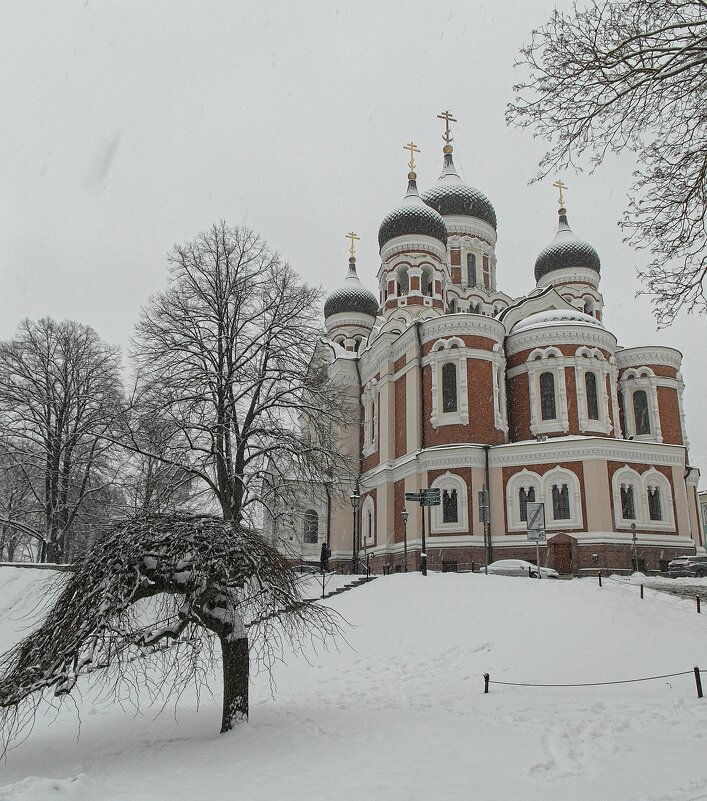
point(412, 218)
point(450, 195)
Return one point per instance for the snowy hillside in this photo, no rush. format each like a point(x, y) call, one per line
point(399, 712)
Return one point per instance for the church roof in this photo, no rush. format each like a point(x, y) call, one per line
point(550, 317)
point(352, 296)
point(412, 217)
point(565, 250)
point(450, 195)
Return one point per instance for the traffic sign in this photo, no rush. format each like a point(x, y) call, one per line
point(483, 506)
point(536, 516)
point(430, 501)
point(434, 492)
point(412, 496)
point(536, 535)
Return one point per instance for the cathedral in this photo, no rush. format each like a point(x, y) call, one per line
point(497, 402)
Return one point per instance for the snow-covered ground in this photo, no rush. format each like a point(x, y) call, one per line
point(399, 711)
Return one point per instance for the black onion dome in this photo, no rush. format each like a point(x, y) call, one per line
point(412, 217)
point(450, 195)
point(566, 250)
point(351, 297)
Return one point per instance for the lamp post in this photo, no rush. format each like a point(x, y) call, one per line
point(635, 548)
point(355, 499)
point(405, 514)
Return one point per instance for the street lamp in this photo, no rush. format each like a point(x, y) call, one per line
point(355, 499)
point(635, 549)
point(405, 514)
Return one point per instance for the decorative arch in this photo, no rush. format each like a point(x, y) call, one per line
point(652, 498)
point(455, 504)
point(521, 488)
point(562, 496)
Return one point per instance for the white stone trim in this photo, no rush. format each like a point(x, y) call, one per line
point(640, 483)
point(561, 334)
point(368, 506)
point(658, 354)
point(446, 351)
point(451, 481)
point(631, 381)
point(413, 243)
point(370, 402)
point(543, 494)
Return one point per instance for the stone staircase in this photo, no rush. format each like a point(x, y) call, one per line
point(357, 582)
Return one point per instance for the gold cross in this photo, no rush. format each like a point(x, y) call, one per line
point(559, 185)
point(413, 148)
point(352, 236)
point(447, 117)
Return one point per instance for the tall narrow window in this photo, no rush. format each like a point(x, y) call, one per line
point(311, 527)
point(628, 509)
point(470, 269)
point(655, 509)
point(369, 525)
point(372, 422)
point(590, 384)
point(449, 387)
point(450, 512)
point(487, 272)
point(560, 502)
point(403, 283)
point(640, 412)
point(548, 409)
point(524, 496)
point(452, 306)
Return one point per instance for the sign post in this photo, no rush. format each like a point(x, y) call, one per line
point(536, 527)
point(485, 518)
point(426, 498)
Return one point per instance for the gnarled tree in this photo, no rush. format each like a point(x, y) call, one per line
point(615, 76)
point(204, 577)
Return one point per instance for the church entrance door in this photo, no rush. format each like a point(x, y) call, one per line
point(562, 557)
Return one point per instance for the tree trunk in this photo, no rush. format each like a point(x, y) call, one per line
point(235, 681)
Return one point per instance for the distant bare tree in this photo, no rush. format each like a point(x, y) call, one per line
point(206, 577)
point(227, 358)
point(632, 75)
point(59, 394)
point(15, 503)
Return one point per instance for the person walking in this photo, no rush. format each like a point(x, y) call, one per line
point(324, 557)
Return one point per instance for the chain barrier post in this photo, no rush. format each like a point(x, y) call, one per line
point(600, 579)
point(697, 598)
point(486, 682)
point(698, 682)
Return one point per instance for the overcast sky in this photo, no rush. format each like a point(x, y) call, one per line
point(128, 126)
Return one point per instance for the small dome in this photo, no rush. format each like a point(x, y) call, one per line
point(556, 317)
point(351, 297)
point(565, 250)
point(413, 217)
point(450, 195)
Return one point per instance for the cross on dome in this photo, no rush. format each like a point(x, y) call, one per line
point(559, 185)
point(353, 237)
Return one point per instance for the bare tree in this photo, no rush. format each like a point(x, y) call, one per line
point(59, 394)
point(631, 76)
point(227, 358)
point(208, 577)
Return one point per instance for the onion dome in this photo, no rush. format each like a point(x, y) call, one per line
point(352, 296)
point(413, 218)
point(565, 251)
point(450, 195)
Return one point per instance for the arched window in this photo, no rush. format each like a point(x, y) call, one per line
point(450, 511)
point(655, 509)
point(449, 387)
point(428, 284)
point(640, 412)
point(403, 283)
point(548, 409)
point(470, 269)
point(560, 502)
point(590, 384)
point(371, 428)
point(452, 306)
point(311, 527)
point(525, 495)
point(628, 507)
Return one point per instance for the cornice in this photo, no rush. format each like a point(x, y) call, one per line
point(572, 334)
point(644, 356)
point(585, 449)
point(460, 225)
point(410, 244)
point(463, 324)
point(579, 275)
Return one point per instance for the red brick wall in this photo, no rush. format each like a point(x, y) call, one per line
point(669, 410)
point(518, 408)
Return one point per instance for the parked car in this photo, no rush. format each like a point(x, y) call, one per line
point(519, 567)
point(694, 566)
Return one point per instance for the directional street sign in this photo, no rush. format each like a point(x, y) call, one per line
point(431, 497)
point(536, 516)
point(412, 496)
point(536, 535)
